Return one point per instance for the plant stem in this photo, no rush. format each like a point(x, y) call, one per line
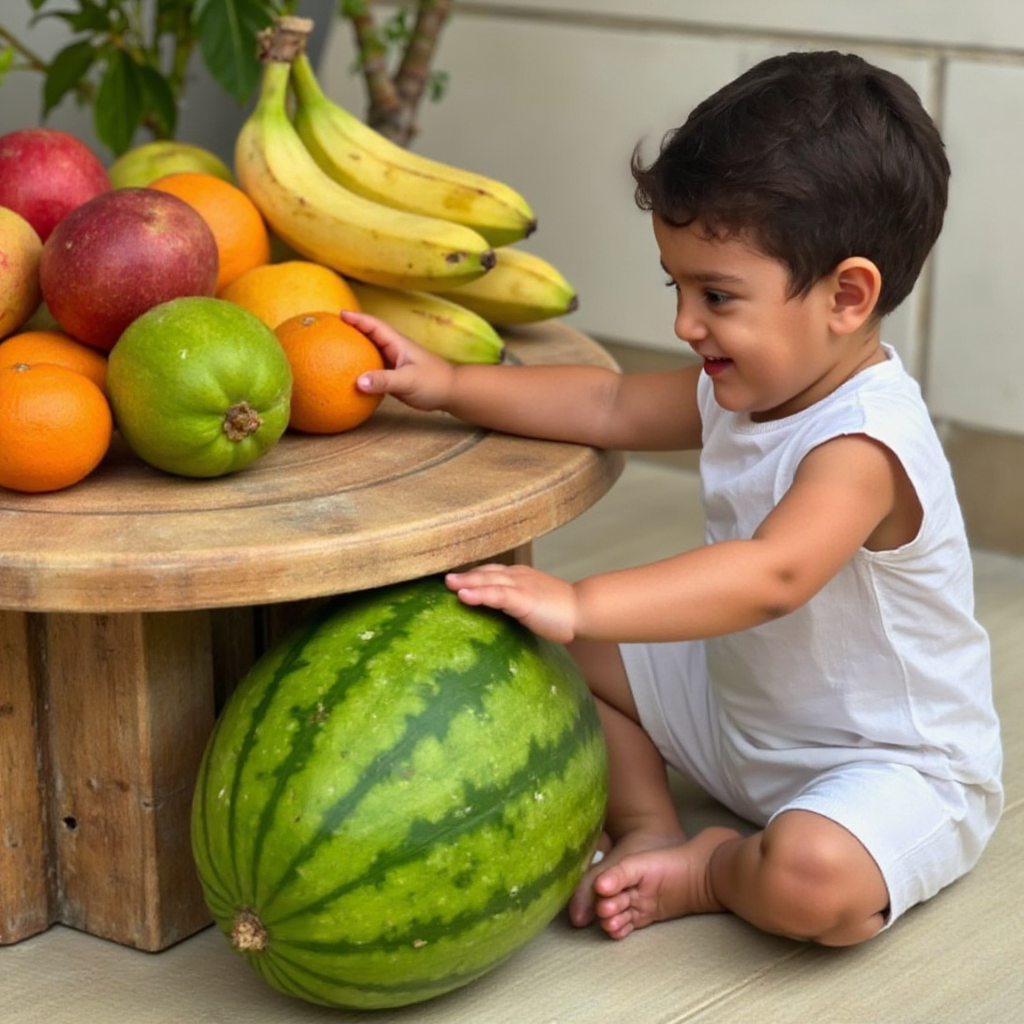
point(415, 67)
point(394, 102)
point(379, 88)
point(34, 61)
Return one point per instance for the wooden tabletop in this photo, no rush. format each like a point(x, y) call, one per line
point(404, 495)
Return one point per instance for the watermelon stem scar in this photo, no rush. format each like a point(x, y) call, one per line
point(248, 934)
point(241, 420)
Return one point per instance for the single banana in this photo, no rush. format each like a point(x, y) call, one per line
point(323, 221)
point(363, 160)
point(520, 288)
point(443, 327)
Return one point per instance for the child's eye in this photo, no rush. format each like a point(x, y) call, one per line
point(713, 298)
point(669, 283)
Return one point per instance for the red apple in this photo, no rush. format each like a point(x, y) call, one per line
point(46, 173)
point(120, 254)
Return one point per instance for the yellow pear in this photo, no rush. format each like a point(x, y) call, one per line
point(20, 250)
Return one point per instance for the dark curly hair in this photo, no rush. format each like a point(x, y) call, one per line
point(816, 156)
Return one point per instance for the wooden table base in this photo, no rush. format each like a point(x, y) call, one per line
point(127, 614)
point(99, 753)
point(100, 842)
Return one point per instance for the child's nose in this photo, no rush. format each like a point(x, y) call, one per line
point(688, 327)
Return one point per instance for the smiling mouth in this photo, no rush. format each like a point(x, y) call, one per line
point(713, 365)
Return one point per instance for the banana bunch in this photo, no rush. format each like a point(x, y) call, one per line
point(444, 327)
point(520, 288)
point(363, 160)
point(424, 245)
point(328, 223)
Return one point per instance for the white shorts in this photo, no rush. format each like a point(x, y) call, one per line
point(923, 832)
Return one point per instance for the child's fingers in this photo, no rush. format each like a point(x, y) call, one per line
point(491, 585)
point(498, 596)
point(373, 382)
point(363, 321)
point(491, 574)
point(381, 334)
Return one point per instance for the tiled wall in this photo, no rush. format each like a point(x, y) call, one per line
point(552, 96)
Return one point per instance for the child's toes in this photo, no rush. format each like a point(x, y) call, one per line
point(608, 907)
point(618, 926)
point(616, 879)
point(581, 903)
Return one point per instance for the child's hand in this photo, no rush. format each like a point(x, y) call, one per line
point(415, 376)
point(544, 604)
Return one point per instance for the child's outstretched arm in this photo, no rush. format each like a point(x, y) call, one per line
point(583, 404)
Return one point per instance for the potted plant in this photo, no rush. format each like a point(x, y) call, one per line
point(132, 62)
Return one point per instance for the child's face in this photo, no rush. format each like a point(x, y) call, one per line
point(767, 355)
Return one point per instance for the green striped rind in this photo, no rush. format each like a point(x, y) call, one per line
point(404, 792)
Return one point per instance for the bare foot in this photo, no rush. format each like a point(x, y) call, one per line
point(657, 883)
point(582, 904)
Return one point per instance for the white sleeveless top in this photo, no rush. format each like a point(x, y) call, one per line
point(887, 659)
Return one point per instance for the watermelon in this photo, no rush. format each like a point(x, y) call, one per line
point(397, 797)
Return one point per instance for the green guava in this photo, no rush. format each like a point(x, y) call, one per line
point(200, 387)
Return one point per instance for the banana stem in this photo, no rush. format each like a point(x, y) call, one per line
point(285, 40)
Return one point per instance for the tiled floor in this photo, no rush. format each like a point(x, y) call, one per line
point(958, 959)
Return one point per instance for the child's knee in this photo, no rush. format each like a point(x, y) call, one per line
point(820, 882)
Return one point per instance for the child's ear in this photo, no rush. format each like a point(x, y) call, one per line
point(857, 285)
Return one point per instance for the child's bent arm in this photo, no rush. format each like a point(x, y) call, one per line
point(843, 494)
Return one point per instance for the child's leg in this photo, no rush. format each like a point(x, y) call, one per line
point(804, 877)
point(641, 814)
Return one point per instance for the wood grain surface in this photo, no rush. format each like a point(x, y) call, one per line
point(404, 495)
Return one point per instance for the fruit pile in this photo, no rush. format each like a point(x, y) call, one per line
point(196, 312)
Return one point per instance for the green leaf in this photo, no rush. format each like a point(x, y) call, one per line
point(227, 31)
point(437, 85)
point(67, 69)
point(6, 60)
point(159, 102)
point(398, 28)
point(169, 14)
point(118, 110)
point(90, 17)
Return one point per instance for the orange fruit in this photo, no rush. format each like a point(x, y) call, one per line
point(243, 241)
point(58, 348)
point(55, 427)
point(326, 356)
point(278, 291)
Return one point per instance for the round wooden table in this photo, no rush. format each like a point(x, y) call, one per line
point(131, 603)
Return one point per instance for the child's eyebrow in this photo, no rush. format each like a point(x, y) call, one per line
point(706, 276)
